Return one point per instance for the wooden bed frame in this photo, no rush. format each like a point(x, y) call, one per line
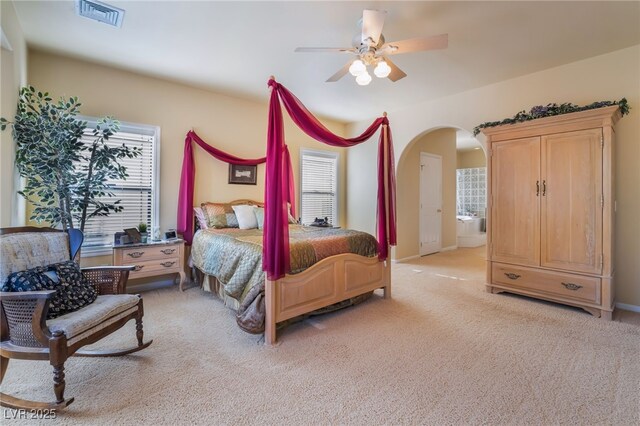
point(329, 281)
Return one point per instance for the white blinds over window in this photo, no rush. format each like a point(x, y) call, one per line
point(319, 198)
point(137, 192)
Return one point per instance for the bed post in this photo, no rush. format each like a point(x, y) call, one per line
point(270, 299)
point(386, 290)
point(387, 263)
point(270, 312)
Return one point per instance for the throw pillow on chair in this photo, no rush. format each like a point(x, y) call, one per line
point(73, 291)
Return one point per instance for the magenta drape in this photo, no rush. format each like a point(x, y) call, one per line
point(187, 179)
point(291, 196)
point(276, 238)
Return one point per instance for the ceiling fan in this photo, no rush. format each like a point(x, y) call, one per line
point(372, 50)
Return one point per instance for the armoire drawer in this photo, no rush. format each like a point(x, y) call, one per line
point(555, 284)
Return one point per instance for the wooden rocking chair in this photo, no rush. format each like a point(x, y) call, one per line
point(26, 332)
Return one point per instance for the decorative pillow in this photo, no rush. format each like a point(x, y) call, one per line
point(259, 213)
point(219, 215)
point(200, 218)
point(246, 216)
point(73, 291)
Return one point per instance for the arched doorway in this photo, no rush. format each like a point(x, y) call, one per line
point(457, 150)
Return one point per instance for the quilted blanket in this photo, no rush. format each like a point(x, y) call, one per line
point(234, 257)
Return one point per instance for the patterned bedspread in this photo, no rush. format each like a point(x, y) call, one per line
point(234, 257)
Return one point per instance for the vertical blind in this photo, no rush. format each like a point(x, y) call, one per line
point(136, 193)
point(319, 198)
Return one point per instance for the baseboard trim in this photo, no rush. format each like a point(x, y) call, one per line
point(449, 248)
point(405, 259)
point(626, 307)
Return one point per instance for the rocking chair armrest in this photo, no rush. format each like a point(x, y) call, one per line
point(27, 295)
point(109, 268)
point(108, 279)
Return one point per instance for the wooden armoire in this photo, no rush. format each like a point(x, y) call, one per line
point(551, 209)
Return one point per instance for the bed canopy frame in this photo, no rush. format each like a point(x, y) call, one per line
point(335, 278)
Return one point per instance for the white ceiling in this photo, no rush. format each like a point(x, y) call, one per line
point(233, 47)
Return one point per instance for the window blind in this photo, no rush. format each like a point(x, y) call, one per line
point(137, 193)
point(319, 182)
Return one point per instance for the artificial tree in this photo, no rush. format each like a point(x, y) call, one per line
point(66, 179)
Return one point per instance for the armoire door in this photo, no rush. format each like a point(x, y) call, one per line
point(571, 209)
point(515, 210)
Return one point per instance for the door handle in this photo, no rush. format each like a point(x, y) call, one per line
point(439, 210)
point(537, 188)
point(544, 188)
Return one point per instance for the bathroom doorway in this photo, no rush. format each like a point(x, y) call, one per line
point(430, 203)
point(471, 191)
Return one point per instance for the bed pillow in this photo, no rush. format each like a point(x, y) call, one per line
point(246, 216)
point(292, 219)
point(259, 213)
point(73, 291)
point(219, 215)
point(200, 217)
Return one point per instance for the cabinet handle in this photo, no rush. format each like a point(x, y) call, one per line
point(572, 286)
point(512, 276)
point(168, 251)
point(168, 264)
point(138, 267)
point(537, 188)
point(544, 188)
point(136, 254)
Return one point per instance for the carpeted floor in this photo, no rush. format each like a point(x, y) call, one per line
point(442, 351)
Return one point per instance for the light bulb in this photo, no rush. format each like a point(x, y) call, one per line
point(382, 70)
point(357, 68)
point(363, 79)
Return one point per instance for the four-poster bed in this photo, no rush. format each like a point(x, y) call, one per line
point(333, 279)
point(328, 266)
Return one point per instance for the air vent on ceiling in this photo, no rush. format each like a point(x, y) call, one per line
point(100, 12)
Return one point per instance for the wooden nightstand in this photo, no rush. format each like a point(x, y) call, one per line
point(152, 259)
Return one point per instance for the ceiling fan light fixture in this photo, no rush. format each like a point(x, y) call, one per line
point(363, 79)
point(357, 68)
point(382, 70)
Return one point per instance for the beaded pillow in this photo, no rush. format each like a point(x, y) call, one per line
point(73, 291)
point(219, 215)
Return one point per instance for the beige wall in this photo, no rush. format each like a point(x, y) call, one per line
point(234, 125)
point(441, 142)
point(471, 158)
point(607, 77)
point(13, 75)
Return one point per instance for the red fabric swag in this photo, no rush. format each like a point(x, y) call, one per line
point(187, 180)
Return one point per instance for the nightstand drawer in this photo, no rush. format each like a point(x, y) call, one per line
point(154, 267)
point(143, 253)
point(151, 259)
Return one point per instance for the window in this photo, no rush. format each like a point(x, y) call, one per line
point(319, 183)
point(138, 193)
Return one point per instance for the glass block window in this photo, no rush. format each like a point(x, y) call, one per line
point(471, 197)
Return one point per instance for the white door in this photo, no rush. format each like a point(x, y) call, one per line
point(430, 203)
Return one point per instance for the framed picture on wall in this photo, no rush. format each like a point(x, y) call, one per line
point(243, 175)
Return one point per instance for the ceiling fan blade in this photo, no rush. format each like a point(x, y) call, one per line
point(396, 73)
point(415, 44)
point(325, 50)
point(341, 73)
point(372, 22)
